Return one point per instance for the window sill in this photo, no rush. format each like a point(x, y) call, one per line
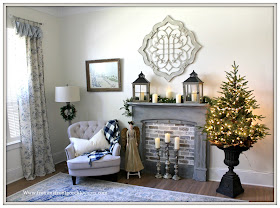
point(13, 145)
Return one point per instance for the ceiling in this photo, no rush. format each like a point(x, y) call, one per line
point(62, 11)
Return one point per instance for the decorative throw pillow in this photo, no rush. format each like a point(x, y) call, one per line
point(81, 146)
point(99, 141)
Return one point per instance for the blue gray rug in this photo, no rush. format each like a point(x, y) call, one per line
point(59, 188)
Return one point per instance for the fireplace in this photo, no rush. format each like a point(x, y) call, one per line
point(175, 128)
point(156, 119)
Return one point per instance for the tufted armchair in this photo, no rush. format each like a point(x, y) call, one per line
point(79, 166)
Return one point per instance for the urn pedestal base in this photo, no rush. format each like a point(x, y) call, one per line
point(230, 185)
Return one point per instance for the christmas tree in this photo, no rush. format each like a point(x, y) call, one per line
point(230, 120)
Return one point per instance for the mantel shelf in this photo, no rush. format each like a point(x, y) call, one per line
point(168, 104)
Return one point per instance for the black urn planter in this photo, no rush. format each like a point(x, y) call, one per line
point(230, 184)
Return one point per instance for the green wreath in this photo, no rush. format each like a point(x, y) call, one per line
point(70, 113)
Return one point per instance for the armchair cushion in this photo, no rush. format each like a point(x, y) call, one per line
point(81, 162)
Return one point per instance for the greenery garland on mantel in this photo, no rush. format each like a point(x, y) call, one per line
point(166, 100)
point(128, 113)
point(205, 99)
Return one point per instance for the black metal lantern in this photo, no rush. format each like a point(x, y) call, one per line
point(193, 89)
point(141, 89)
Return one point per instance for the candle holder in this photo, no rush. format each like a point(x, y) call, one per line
point(176, 177)
point(158, 175)
point(167, 175)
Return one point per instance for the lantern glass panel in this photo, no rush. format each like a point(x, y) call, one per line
point(137, 88)
point(141, 93)
point(137, 95)
point(143, 88)
point(192, 92)
point(200, 92)
point(140, 88)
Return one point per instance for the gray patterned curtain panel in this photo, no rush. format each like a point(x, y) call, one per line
point(36, 155)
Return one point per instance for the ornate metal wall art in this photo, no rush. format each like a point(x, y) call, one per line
point(169, 48)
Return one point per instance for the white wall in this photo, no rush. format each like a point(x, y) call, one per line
point(226, 34)
point(13, 165)
point(53, 77)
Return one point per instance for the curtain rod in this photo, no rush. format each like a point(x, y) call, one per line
point(12, 16)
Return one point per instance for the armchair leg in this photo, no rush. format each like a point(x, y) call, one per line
point(74, 180)
point(115, 177)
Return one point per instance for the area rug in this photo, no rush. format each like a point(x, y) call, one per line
point(59, 188)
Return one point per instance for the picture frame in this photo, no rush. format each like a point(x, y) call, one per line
point(103, 75)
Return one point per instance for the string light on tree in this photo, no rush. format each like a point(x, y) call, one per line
point(230, 120)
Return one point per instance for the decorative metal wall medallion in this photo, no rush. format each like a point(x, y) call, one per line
point(169, 48)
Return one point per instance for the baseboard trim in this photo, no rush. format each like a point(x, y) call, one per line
point(248, 177)
point(14, 174)
point(59, 157)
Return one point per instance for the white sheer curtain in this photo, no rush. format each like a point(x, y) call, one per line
point(16, 50)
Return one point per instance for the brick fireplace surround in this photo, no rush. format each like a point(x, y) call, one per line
point(156, 119)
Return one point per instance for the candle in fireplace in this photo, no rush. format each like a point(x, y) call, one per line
point(167, 138)
point(157, 143)
point(177, 143)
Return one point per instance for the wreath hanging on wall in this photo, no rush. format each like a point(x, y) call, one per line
point(68, 112)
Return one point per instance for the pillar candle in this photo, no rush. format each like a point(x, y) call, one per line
point(157, 143)
point(194, 96)
point(155, 98)
point(168, 94)
point(142, 96)
point(178, 98)
point(177, 143)
point(167, 138)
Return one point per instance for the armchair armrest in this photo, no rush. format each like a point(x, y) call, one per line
point(70, 151)
point(116, 150)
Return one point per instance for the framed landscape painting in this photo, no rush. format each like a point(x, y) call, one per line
point(103, 75)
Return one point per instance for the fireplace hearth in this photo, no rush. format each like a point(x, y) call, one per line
point(156, 119)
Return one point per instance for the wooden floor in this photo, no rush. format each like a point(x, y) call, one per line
point(251, 193)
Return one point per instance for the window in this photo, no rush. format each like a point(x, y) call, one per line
point(16, 65)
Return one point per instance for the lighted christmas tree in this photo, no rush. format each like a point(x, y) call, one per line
point(230, 120)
